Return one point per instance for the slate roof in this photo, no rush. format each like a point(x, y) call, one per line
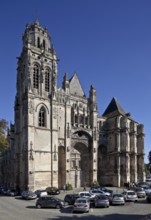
point(75, 86)
point(114, 107)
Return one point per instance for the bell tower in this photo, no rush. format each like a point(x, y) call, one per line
point(35, 108)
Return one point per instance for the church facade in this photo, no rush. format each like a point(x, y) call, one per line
point(58, 136)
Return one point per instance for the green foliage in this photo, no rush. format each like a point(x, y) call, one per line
point(96, 183)
point(3, 137)
point(69, 186)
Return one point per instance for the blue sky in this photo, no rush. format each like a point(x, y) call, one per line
point(107, 42)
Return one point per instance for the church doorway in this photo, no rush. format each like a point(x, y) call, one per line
point(61, 167)
point(81, 160)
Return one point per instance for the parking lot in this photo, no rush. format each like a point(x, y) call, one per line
point(17, 208)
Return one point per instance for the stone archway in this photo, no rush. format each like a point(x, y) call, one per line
point(61, 166)
point(81, 160)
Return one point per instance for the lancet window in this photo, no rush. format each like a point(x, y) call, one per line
point(42, 117)
point(47, 81)
point(36, 76)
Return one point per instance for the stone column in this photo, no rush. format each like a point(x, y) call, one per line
point(118, 171)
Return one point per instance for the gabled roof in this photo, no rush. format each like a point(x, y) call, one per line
point(114, 107)
point(75, 86)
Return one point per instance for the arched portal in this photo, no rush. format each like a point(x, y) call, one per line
point(81, 160)
point(61, 166)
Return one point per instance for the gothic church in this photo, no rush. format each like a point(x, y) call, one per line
point(58, 136)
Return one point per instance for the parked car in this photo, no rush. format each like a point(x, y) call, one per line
point(41, 192)
point(70, 198)
point(4, 191)
point(96, 192)
point(102, 201)
point(81, 205)
point(91, 197)
point(147, 189)
point(140, 192)
point(86, 194)
point(130, 195)
point(12, 192)
point(49, 202)
point(142, 184)
point(107, 191)
point(28, 195)
point(52, 190)
point(148, 198)
point(117, 199)
point(104, 189)
point(148, 179)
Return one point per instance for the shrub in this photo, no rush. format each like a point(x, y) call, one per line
point(96, 183)
point(69, 186)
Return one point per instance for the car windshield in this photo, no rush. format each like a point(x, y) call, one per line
point(131, 193)
point(140, 189)
point(117, 195)
point(81, 201)
point(102, 197)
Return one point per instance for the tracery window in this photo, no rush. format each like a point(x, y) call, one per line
point(47, 81)
point(42, 117)
point(36, 76)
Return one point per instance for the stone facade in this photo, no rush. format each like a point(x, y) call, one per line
point(58, 137)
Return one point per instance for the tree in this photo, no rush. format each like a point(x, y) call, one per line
point(3, 131)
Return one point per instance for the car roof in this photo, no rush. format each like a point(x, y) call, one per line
point(83, 198)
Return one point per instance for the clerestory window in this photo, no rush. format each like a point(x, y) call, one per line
point(36, 76)
point(42, 117)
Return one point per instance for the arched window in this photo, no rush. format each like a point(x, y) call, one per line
point(42, 117)
point(36, 77)
point(38, 42)
point(47, 81)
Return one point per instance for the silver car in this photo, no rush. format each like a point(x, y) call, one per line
point(140, 192)
point(130, 195)
point(102, 201)
point(81, 205)
point(117, 199)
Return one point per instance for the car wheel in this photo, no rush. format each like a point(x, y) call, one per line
point(58, 206)
point(38, 206)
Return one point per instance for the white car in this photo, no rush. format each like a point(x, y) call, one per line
point(86, 194)
point(130, 195)
point(41, 192)
point(97, 192)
